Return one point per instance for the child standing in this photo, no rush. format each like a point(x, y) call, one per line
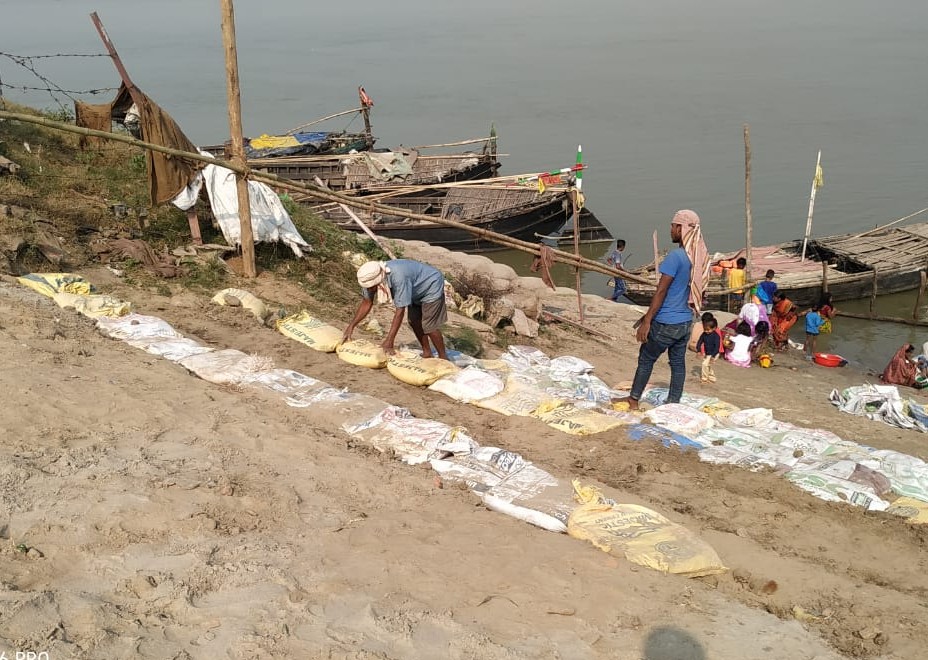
point(736, 278)
point(709, 344)
point(814, 323)
point(615, 260)
point(766, 289)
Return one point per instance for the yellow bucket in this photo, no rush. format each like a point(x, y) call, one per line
point(765, 361)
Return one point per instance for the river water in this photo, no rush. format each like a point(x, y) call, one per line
point(657, 94)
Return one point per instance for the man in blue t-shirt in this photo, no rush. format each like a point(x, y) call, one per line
point(667, 324)
point(411, 285)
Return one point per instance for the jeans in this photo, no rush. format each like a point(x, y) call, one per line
point(619, 288)
point(663, 337)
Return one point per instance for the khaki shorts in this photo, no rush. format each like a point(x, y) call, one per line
point(432, 315)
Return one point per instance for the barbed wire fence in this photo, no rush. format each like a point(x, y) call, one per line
point(55, 91)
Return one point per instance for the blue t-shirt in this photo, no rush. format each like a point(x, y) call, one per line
point(813, 323)
point(412, 283)
point(765, 291)
point(676, 307)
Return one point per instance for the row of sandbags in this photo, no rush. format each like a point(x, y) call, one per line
point(503, 480)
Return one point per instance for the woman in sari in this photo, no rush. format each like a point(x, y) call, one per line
point(752, 314)
point(902, 369)
point(783, 318)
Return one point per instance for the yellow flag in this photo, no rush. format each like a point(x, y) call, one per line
point(819, 177)
point(541, 184)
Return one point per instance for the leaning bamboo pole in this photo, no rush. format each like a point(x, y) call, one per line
point(331, 196)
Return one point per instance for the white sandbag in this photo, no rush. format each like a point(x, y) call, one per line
point(907, 474)
point(752, 417)
point(226, 367)
point(657, 396)
point(566, 366)
point(849, 471)
point(525, 357)
point(245, 299)
point(470, 384)
point(93, 306)
point(136, 328)
point(680, 419)
point(285, 381)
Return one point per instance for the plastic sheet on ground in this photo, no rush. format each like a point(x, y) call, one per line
point(285, 381)
point(720, 410)
point(137, 329)
point(644, 537)
point(877, 402)
point(835, 489)
point(307, 329)
point(525, 358)
point(648, 432)
point(907, 474)
point(470, 384)
point(681, 419)
point(509, 484)
point(517, 399)
point(226, 367)
point(48, 284)
point(568, 418)
point(245, 299)
point(657, 396)
point(722, 455)
point(752, 417)
point(415, 440)
point(173, 349)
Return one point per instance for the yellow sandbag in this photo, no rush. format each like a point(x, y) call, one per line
point(644, 537)
point(309, 330)
point(247, 300)
point(362, 353)
point(914, 511)
point(48, 284)
point(414, 369)
point(94, 306)
point(575, 421)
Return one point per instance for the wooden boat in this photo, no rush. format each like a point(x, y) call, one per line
point(515, 211)
point(591, 231)
point(370, 171)
point(851, 266)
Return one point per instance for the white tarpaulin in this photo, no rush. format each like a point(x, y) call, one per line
point(270, 221)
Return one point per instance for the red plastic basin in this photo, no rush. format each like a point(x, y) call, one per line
point(829, 360)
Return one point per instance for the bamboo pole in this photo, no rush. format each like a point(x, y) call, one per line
point(873, 293)
point(824, 276)
point(805, 239)
point(117, 61)
point(882, 319)
point(747, 198)
point(918, 298)
point(322, 119)
point(351, 214)
point(576, 200)
point(366, 104)
point(455, 144)
point(564, 319)
point(238, 144)
point(331, 196)
point(890, 224)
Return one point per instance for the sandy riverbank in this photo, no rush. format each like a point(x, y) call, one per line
point(181, 519)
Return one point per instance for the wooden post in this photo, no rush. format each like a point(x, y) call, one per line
point(235, 130)
point(873, 294)
point(117, 62)
point(747, 200)
point(918, 298)
point(657, 257)
point(815, 184)
point(366, 111)
point(578, 187)
point(194, 223)
point(824, 276)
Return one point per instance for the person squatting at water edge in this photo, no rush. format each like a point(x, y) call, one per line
point(411, 285)
point(667, 324)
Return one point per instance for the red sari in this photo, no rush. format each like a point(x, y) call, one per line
point(900, 370)
point(782, 318)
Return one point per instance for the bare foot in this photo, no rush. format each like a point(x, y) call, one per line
point(632, 403)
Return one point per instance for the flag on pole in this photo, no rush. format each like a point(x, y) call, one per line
point(819, 180)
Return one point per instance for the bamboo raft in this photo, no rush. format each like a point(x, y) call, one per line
point(849, 266)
